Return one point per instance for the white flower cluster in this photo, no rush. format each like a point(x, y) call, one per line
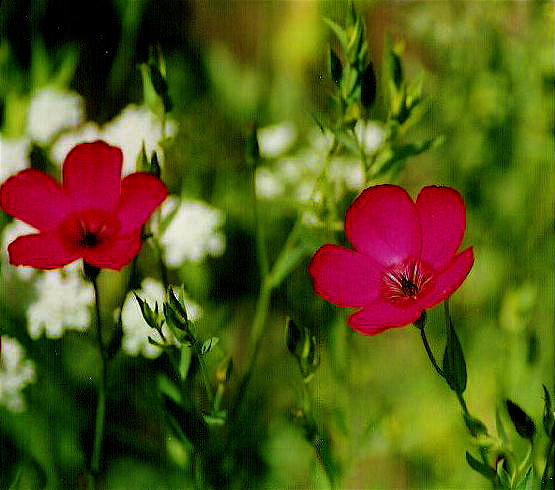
point(134, 126)
point(52, 110)
point(135, 329)
point(64, 301)
point(16, 372)
point(294, 176)
point(9, 234)
point(193, 232)
point(14, 156)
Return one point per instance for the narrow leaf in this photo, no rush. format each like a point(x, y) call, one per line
point(148, 314)
point(335, 67)
point(480, 467)
point(475, 426)
point(524, 425)
point(548, 414)
point(339, 32)
point(176, 305)
point(454, 365)
point(368, 87)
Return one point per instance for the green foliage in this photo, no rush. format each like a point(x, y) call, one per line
point(458, 93)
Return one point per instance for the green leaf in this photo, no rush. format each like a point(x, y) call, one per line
point(482, 468)
point(548, 415)
point(176, 306)
point(368, 87)
point(527, 482)
point(524, 425)
point(173, 319)
point(454, 365)
point(184, 362)
point(335, 67)
point(151, 318)
point(154, 167)
point(303, 346)
point(475, 426)
point(339, 32)
point(396, 156)
point(208, 344)
point(191, 425)
point(504, 477)
point(395, 68)
point(293, 337)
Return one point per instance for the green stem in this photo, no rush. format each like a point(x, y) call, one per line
point(205, 377)
point(429, 352)
point(101, 403)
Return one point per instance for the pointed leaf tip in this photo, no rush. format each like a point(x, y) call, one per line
point(524, 425)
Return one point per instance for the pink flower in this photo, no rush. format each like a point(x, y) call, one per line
point(404, 258)
point(95, 216)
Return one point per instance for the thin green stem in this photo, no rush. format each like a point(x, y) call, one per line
point(363, 156)
point(101, 403)
point(205, 376)
point(429, 352)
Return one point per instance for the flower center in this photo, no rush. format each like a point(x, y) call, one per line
point(89, 240)
point(89, 229)
point(404, 282)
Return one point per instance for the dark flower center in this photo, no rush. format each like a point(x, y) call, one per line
point(89, 240)
point(89, 229)
point(404, 282)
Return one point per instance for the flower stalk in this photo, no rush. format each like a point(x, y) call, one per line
point(91, 273)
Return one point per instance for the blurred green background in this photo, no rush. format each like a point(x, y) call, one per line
point(488, 75)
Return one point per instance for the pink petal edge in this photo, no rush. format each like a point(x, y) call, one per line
point(443, 221)
point(344, 277)
point(383, 224)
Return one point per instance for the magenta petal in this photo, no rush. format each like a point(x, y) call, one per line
point(449, 280)
point(344, 277)
point(92, 173)
point(383, 224)
point(443, 221)
point(141, 194)
point(41, 251)
point(35, 198)
point(380, 316)
point(122, 251)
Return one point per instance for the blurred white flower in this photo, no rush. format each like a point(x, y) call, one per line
point(135, 329)
point(64, 303)
point(131, 128)
point(321, 141)
point(276, 140)
point(346, 173)
point(52, 110)
point(14, 156)
point(68, 139)
point(16, 372)
point(370, 134)
point(9, 234)
point(193, 232)
point(267, 184)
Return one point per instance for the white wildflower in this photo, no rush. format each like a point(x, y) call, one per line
point(52, 110)
point(131, 128)
point(14, 156)
point(16, 372)
point(68, 139)
point(370, 134)
point(346, 173)
point(267, 184)
point(64, 303)
point(135, 329)
point(193, 233)
point(276, 140)
point(9, 234)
